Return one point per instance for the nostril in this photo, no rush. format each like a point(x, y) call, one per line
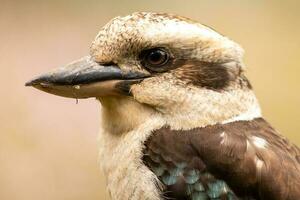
point(108, 64)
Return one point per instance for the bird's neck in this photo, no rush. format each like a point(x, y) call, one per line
point(186, 110)
point(187, 107)
point(201, 108)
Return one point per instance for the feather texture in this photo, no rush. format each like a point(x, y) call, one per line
point(238, 160)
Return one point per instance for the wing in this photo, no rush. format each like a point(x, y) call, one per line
point(238, 160)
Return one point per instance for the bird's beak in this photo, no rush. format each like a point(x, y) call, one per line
point(86, 78)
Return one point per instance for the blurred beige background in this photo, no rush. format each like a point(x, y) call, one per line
point(48, 144)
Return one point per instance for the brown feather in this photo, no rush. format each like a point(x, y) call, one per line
point(250, 156)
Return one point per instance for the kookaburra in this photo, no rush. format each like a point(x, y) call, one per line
point(179, 117)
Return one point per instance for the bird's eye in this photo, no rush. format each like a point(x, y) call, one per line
point(155, 58)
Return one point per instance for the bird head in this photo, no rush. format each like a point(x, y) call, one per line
point(172, 65)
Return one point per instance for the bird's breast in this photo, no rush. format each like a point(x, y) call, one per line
point(121, 161)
